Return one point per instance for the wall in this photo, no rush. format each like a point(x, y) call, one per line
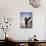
point(12, 8)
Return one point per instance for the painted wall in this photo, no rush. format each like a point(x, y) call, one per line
point(12, 8)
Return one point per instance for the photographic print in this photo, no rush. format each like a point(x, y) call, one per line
point(26, 19)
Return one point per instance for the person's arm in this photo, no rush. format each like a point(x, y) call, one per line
point(29, 18)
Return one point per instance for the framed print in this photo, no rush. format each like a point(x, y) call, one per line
point(26, 19)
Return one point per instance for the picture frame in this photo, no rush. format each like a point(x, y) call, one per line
point(25, 19)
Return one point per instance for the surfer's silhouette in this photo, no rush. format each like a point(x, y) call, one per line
point(26, 20)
